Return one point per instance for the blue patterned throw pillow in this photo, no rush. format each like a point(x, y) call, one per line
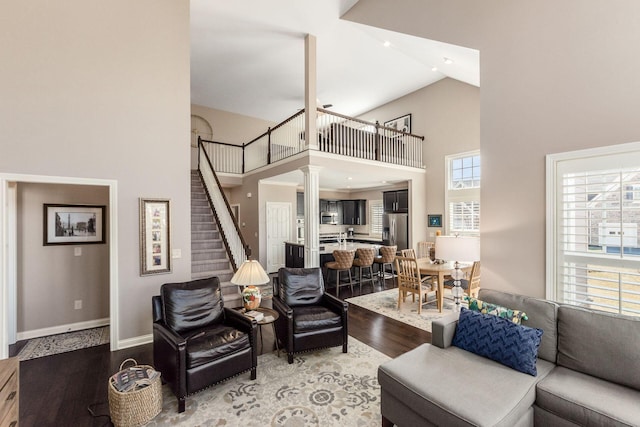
point(498, 339)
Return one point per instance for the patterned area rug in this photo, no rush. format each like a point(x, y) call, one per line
point(61, 343)
point(322, 388)
point(386, 303)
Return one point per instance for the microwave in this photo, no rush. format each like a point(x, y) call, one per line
point(328, 218)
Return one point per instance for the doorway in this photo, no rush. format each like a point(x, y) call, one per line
point(278, 218)
point(9, 256)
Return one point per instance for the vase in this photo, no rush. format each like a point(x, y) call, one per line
point(251, 297)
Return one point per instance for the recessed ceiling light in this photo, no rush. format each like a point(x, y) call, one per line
point(434, 69)
point(349, 178)
point(386, 43)
point(384, 182)
point(447, 60)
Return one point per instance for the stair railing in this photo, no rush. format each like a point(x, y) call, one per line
point(237, 248)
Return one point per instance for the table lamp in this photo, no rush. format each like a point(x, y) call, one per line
point(248, 275)
point(457, 249)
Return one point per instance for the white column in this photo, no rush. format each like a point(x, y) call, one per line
point(310, 94)
point(311, 215)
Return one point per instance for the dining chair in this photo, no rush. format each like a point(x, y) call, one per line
point(386, 257)
point(343, 262)
point(471, 286)
point(408, 253)
point(410, 281)
point(425, 248)
point(364, 260)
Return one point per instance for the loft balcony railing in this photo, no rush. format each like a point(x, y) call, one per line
point(337, 134)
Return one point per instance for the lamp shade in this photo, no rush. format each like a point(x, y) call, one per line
point(458, 248)
point(250, 273)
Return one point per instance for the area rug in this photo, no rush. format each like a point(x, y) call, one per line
point(386, 303)
point(62, 343)
point(321, 388)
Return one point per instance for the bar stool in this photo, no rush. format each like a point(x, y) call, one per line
point(364, 259)
point(386, 257)
point(343, 262)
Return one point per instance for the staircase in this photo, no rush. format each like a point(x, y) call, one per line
point(208, 254)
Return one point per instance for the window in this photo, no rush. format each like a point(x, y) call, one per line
point(375, 217)
point(463, 194)
point(593, 226)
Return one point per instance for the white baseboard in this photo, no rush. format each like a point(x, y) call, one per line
point(135, 341)
point(36, 333)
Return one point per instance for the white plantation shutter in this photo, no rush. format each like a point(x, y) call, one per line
point(594, 229)
point(376, 209)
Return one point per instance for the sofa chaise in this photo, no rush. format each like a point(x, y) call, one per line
point(588, 374)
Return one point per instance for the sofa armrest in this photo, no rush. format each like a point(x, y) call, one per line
point(443, 329)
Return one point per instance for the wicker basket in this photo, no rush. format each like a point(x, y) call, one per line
point(136, 407)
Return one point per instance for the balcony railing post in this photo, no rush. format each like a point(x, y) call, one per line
point(243, 161)
point(269, 146)
point(378, 156)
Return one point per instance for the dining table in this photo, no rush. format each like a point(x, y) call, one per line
point(429, 268)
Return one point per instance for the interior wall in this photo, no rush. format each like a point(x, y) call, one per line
point(101, 90)
point(555, 77)
point(51, 278)
point(447, 114)
point(229, 127)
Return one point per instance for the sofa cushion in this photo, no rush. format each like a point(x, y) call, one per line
point(600, 344)
point(542, 314)
point(516, 316)
point(498, 339)
point(588, 401)
point(191, 305)
point(450, 386)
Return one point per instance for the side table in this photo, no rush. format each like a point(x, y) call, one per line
point(272, 321)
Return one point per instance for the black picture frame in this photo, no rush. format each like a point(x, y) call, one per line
point(402, 123)
point(434, 220)
point(73, 224)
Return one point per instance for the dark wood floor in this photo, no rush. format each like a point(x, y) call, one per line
point(59, 390)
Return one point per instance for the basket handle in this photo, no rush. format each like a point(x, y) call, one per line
point(128, 360)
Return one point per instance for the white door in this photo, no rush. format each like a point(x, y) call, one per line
point(278, 231)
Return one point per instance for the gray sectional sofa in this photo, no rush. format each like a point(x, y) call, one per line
point(588, 374)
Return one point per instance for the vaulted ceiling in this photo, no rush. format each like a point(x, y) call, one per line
point(247, 57)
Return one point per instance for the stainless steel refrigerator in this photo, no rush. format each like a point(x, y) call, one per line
point(395, 230)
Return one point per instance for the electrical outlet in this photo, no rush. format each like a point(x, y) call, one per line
point(77, 251)
point(78, 304)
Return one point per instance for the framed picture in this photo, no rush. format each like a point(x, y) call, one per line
point(155, 236)
point(73, 224)
point(402, 123)
point(435, 220)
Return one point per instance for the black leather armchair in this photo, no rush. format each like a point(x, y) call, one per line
point(309, 318)
point(196, 341)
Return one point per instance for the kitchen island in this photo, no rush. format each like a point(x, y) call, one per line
point(294, 252)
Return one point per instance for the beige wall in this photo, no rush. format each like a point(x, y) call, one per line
point(555, 77)
point(51, 278)
point(447, 114)
point(101, 90)
point(229, 127)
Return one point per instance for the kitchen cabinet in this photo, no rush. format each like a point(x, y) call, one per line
point(396, 201)
point(294, 255)
point(354, 212)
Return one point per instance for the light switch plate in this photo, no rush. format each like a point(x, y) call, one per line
point(77, 251)
point(176, 253)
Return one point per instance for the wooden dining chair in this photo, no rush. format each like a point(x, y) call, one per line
point(424, 249)
point(408, 253)
point(470, 286)
point(410, 281)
